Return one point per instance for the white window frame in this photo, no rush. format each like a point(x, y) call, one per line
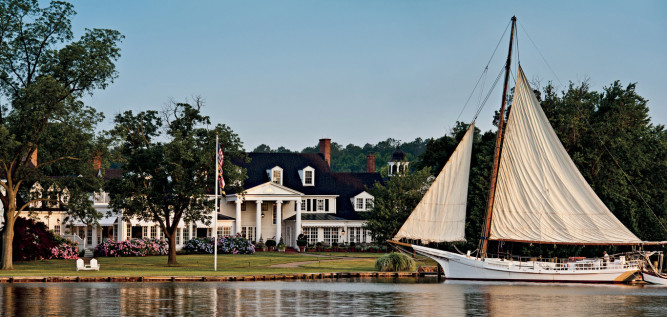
point(305, 179)
point(363, 201)
point(272, 175)
point(359, 203)
point(320, 205)
point(369, 203)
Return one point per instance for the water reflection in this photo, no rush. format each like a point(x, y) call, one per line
point(359, 297)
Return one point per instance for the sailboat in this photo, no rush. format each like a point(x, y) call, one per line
point(537, 195)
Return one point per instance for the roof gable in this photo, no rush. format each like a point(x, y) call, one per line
point(271, 188)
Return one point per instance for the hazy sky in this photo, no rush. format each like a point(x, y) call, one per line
point(286, 73)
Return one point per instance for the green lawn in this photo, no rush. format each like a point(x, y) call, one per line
point(202, 265)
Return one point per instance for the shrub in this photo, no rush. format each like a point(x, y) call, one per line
point(133, 247)
point(34, 241)
point(302, 243)
point(395, 262)
point(226, 245)
point(270, 243)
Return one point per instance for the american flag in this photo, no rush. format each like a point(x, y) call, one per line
point(221, 159)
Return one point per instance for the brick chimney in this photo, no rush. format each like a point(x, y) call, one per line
point(97, 162)
point(370, 163)
point(325, 149)
point(33, 159)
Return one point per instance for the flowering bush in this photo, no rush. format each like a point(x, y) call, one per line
point(226, 245)
point(133, 247)
point(34, 241)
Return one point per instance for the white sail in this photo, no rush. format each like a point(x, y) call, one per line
point(440, 215)
point(540, 195)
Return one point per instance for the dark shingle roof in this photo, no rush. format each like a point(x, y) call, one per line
point(397, 156)
point(223, 217)
point(350, 185)
point(316, 216)
point(345, 185)
point(291, 163)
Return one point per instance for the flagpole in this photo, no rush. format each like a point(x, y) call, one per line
point(215, 218)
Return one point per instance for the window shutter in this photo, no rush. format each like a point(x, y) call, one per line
point(307, 204)
point(326, 205)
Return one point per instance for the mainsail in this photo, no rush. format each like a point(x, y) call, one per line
point(440, 215)
point(541, 197)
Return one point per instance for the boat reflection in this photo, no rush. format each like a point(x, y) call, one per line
point(368, 297)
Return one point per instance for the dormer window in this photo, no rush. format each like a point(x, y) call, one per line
point(363, 201)
point(276, 175)
point(307, 175)
point(308, 179)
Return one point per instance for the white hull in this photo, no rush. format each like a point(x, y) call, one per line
point(457, 266)
point(650, 278)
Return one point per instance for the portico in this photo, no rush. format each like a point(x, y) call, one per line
point(269, 204)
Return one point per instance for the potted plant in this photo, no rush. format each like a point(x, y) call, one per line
point(334, 246)
point(270, 244)
point(260, 245)
point(311, 248)
point(281, 245)
point(353, 247)
point(318, 246)
point(301, 242)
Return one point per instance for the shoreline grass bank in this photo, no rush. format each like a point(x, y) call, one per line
point(201, 266)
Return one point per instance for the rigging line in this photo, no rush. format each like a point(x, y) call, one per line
point(499, 41)
point(472, 92)
point(493, 86)
point(538, 51)
point(486, 68)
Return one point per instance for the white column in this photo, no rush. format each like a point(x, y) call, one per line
point(238, 217)
point(298, 221)
point(279, 219)
point(94, 232)
point(121, 229)
point(258, 225)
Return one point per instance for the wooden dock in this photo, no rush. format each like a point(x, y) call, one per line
point(268, 277)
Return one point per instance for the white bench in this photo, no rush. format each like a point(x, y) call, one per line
point(93, 266)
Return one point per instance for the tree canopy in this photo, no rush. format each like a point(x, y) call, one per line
point(169, 167)
point(47, 134)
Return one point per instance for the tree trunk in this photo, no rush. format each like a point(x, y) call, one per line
point(7, 240)
point(8, 231)
point(172, 250)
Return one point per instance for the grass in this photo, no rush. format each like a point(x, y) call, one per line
point(202, 265)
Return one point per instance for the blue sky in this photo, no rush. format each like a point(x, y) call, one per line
point(286, 73)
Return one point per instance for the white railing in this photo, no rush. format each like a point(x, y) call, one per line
point(565, 264)
point(74, 238)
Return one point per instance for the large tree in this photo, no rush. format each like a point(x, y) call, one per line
point(168, 167)
point(43, 74)
point(394, 202)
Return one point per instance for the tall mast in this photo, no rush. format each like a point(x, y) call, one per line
point(496, 152)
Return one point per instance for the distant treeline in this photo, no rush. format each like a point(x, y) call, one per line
point(352, 158)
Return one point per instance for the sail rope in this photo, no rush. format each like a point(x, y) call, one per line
point(484, 72)
point(597, 135)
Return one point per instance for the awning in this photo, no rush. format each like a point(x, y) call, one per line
point(104, 222)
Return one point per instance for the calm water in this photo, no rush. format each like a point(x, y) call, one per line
point(358, 297)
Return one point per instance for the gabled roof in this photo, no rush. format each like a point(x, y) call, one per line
point(291, 163)
point(344, 185)
point(350, 185)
